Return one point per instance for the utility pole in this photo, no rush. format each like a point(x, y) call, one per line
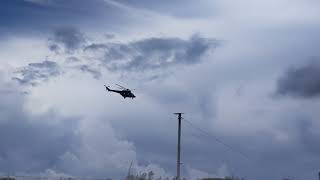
point(179, 144)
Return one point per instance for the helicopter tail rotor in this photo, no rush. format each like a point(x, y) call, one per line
point(107, 87)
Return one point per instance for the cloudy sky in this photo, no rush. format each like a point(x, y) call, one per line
point(247, 72)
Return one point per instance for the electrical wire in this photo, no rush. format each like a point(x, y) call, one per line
point(216, 139)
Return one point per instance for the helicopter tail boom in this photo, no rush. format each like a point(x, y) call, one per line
point(107, 88)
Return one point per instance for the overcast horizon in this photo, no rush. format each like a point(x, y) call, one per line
point(247, 72)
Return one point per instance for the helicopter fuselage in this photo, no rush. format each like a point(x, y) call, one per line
point(126, 93)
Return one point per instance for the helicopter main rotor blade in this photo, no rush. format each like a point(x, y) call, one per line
point(121, 86)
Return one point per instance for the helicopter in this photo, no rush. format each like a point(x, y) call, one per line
point(124, 92)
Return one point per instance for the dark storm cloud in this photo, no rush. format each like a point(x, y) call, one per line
point(31, 143)
point(20, 16)
point(54, 48)
point(309, 136)
point(301, 81)
point(178, 8)
point(69, 38)
point(109, 36)
point(72, 60)
point(154, 53)
point(95, 47)
point(24, 14)
point(37, 72)
point(27, 146)
point(87, 69)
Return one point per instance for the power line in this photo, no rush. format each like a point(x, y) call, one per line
point(226, 145)
point(216, 139)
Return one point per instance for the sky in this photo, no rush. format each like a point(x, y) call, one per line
point(247, 73)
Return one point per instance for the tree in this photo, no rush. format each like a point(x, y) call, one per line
point(150, 175)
